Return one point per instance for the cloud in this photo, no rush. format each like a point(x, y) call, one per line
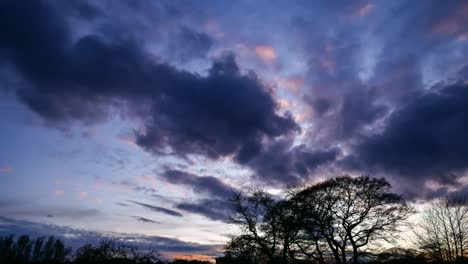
point(5, 169)
point(359, 108)
point(201, 184)
point(364, 10)
point(82, 194)
point(281, 162)
point(229, 114)
point(22, 209)
point(266, 53)
point(223, 113)
point(190, 44)
point(426, 139)
point(216, 206)
point(158, 209)
point(212, 208)
point(319, 105)
point(145, 220)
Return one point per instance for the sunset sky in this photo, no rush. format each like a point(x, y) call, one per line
point(138, 119)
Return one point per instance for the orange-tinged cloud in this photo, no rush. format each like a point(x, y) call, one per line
point(212, 27)
point(83, 195)
point(301, 116)
point(190, 257)
point(292, 83)
point(265, 52)
point(59, 192)
point(283, 103)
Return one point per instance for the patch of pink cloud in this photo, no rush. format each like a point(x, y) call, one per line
point(59, 192)
point(364, 10)
point(82, 194)
point(462, 36)
point(148, 181)
point(266, 53)
point(453, 24)
point(6, 169)
point(283, 103)
point(128, 140)
point(211, 26)
point(292, 82)
point(446, 26)
point(328, 64)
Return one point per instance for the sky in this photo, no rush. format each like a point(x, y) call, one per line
point(138, 119)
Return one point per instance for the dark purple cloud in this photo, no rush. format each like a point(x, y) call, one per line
point(158, 209)
point(145, 220)
point(224, 113)
point(212, 208)
point(216, 206)
point(281, 162)
point(209, 185)
point(189, 44)
point(426, 139)
point(359, 108)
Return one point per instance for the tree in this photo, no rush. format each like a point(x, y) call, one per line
point(243, 249)
point(346, 214)
point(443, 232)
point(114, 251)
point(338, 219)
point(270, 227)
point(26, 250)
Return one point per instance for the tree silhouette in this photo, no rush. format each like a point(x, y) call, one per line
point(336, 219)
point(25, 250)
point(113, 251)
point(443, 231)
point(270, 227)
point(349, 213)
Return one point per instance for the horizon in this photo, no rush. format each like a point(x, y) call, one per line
point(139, 119)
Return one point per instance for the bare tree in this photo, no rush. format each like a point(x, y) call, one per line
point(346, 214)
point(270, 227)
point(114, 251)
point(443, 232)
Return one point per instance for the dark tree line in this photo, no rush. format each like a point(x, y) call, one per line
point(342, 220)
point(24, 250)
point(27, 250)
